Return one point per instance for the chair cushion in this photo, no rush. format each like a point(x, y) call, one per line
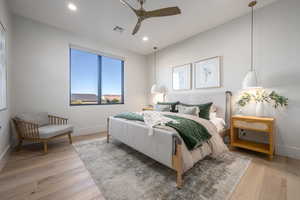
point(54, 130)
point(40, 118)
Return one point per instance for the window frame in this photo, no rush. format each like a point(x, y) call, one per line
point(99, 56)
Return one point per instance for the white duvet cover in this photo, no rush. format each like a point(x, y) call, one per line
point(214, 147)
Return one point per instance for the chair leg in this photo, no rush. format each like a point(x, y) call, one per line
point(46, 146)
point(70, 138)
point(19, 147)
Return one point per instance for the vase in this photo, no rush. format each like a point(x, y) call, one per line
point(259, 110)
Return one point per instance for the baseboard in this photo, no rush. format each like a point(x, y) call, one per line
point(4, 156)
point(90, 130)
point(292, 152)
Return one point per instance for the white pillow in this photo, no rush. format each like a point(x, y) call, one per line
point(162, 108)
point(218, 122)
point(213, 109)
point(189, 110)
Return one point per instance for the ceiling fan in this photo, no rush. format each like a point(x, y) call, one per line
point(142, 14)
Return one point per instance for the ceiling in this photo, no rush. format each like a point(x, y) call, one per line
point(97, 18)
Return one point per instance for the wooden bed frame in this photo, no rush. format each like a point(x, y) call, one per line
point(177, 161)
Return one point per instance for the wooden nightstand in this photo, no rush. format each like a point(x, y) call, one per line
point(148, 108)
point(259, 124)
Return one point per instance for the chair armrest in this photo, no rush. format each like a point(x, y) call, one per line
point(54, 120)
point(27, 129)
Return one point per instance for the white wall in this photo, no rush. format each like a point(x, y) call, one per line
point(277, 47)
point(5, 18)
point(40, 75)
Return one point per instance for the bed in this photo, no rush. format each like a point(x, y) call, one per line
point(166, 145)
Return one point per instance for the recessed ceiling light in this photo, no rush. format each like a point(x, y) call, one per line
point(145, 38)
point(72, 6)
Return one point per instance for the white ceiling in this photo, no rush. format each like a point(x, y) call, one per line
point(97, 18)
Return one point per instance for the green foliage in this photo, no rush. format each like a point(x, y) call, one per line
point(261, 96)
point(77, 101)
point(115, 100)
point(278, 100)
point(245, 98)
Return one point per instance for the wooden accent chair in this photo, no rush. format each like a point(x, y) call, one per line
point(40, 128)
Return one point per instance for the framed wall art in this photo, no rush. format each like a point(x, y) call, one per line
point(207, 73)
point(181, 77)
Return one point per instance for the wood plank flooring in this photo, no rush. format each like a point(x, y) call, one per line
point(61, 175)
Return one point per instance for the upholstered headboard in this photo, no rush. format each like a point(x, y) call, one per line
point(221, 100)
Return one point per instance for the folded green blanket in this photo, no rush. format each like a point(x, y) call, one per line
point(192, 133)
point(130, 116)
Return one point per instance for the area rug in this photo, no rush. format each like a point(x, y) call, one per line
point(122, 173)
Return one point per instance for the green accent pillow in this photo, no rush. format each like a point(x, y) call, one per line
point(172, 104)
point(204, 109)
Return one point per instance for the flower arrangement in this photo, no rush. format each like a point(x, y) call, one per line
point(262, 96)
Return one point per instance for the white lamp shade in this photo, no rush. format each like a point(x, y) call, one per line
point(155, 89)
point(250, 81)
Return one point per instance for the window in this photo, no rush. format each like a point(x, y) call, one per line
point(95, 79)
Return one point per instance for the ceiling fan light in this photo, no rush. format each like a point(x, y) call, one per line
point(250, 80)
point(72, 6)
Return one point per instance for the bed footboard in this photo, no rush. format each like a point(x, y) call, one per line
point(164, 147)
point(178, 161)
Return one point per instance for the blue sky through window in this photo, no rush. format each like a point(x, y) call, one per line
point(84, 72)
point(85, 75)
point(111, 76)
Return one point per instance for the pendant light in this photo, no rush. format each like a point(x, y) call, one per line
point(250, 81)
point(155, 89)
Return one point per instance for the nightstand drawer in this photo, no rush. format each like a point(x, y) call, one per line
point(250, 125)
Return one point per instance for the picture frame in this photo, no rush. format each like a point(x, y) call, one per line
point(3, 68)
point(207, 73)
point(182, 77)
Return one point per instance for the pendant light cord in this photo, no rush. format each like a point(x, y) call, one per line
point(252, 22)
point(155, 64)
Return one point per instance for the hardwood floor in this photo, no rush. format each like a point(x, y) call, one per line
point(30, 175)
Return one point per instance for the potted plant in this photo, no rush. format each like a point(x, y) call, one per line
point(260, 97)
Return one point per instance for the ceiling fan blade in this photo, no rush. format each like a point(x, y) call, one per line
point(137, 27)
point(128, 5)
point(163, 12)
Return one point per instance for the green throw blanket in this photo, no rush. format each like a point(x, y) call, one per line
point(192, 133)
